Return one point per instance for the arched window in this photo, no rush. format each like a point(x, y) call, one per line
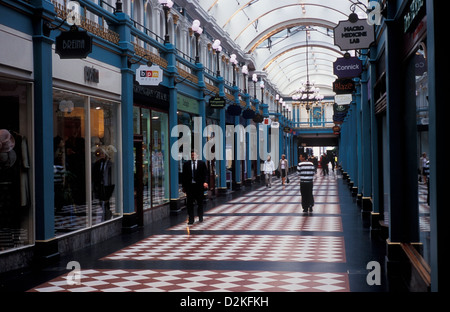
point(137, 13)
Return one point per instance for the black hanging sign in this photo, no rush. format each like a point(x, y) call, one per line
point(217, 102)
point(73, 44)
point(343, 86)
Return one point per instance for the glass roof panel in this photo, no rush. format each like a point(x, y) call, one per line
point(274, 34)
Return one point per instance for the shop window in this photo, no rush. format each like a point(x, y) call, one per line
point(104, 162)
point(160, 158)
point(16, 211)
point(419, 65)
point(86, 169)
point(153, 127)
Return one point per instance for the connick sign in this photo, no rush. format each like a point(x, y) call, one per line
point(349, 67)
point(353, 35)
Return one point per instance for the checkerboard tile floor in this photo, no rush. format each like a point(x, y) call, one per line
point(280, 248)
point(262, 226)
point(272, 208)
point(198, 281)
point(267, 223)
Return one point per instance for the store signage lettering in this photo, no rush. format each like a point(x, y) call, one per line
point(91, 74)
point(414, 9)
point(149, 76)
point(159, 93)
point(343, 86)
point(351, 36)
point(217, 102)
point(73, 44)
point(347, 67)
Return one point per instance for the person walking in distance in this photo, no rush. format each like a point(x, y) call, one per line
point(306, 170)
point(283, 167)
point(269, 169)
point(194, 183)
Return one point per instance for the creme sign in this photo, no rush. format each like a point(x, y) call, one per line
point(354, 35)
point(149, 76)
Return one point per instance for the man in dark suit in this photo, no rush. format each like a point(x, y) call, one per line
point(194, 183)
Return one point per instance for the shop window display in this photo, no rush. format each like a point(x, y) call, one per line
point(160, 158)
point(103, 160)
point(16, 216)
point(85, 170)
point(153, 126)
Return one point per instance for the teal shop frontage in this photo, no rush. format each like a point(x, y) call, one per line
point(93, 146)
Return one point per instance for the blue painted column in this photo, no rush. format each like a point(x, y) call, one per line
point(366, 146)
point(237, 183)
point(258, 166)
point(265, 138)
point(248, 148)
point(169, 81)
point(222, 164)
point(46, 246)
point(375, 176)
point(129, 215)
point(201, 104)
point(357, 187)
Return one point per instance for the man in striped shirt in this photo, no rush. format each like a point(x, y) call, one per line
point(306, 170)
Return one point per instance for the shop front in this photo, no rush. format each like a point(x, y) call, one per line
point(87, 162)
point(17, 168)
point(151, 151)
point(16, 165)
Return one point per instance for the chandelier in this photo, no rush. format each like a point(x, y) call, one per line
point(307, 94)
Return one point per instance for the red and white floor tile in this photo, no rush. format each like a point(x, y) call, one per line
point(282, 248)
point(288, 237)
point(266, 223)
point(197, 281)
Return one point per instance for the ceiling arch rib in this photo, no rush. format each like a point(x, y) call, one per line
point(263, 24)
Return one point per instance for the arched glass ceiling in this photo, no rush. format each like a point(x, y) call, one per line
point(274, 33)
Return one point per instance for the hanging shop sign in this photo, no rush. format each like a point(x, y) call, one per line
point(149, 75)
point(275, 124)
point(343, 99)
point(339, 108)
point(217, 102)
point(415, 12)
point(73, 44)
point(347, 67)
point(343, 86)
point(349, 35)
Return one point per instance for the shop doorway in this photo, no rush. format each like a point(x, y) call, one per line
point(138, 179)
